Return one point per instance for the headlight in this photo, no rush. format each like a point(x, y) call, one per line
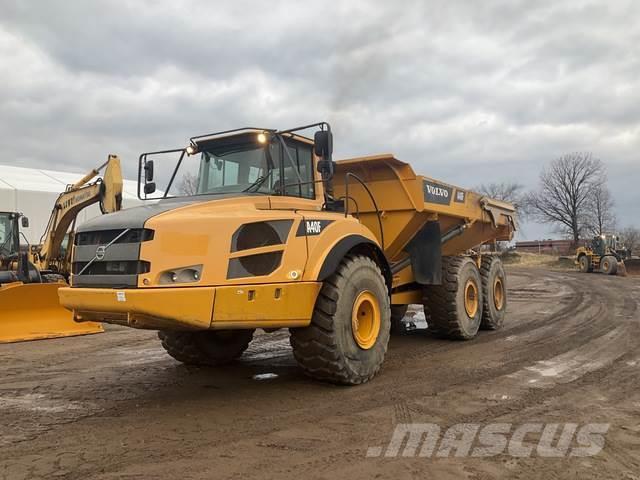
point(181, 275)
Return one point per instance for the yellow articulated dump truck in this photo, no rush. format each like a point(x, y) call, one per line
point(260, 228)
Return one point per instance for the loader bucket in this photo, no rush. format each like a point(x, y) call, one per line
point(632, 266)
point(32, 311)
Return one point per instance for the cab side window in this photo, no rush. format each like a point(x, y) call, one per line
point(303, 160)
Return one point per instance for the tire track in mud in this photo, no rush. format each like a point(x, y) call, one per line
point(536, 397)
point(416, 374)
point(555, 333)
point(440, 382)
point(594, 326)
point(584, 318)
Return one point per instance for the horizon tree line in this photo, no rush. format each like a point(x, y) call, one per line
point(572, 196)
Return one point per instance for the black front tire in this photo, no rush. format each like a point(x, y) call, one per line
point(609, 265)
point(206, 348)
point(327, 349)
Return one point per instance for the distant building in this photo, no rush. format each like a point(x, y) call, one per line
point(549, 247)
point(34, 191)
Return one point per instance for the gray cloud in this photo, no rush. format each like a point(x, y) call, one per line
point(466, 93)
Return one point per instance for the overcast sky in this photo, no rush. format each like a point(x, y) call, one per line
point(467, 92)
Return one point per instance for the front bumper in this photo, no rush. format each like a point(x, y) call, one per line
point(196, 308)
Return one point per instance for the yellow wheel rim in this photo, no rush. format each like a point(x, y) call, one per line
point(498, 293)
point(471, 298)
point(365, 320)
point(605, 265)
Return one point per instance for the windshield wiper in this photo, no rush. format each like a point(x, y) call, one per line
point(260, 180)
point(258, 183)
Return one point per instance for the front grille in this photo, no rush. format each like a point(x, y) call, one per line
point(104, 237)
point(128, 267)
point(107, 264)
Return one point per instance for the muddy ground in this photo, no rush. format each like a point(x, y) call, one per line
point(115, 406)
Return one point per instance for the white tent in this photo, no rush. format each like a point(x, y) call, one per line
point(33, 192)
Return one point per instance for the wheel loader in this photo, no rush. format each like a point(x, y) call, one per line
point(30, 278)
point(605, 254)
point(274, 234)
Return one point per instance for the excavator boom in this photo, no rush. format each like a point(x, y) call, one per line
point(107, 191)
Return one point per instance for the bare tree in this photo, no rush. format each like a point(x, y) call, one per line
point(188, 184)
point(505, 191)
point(600, 218)
point(566, 189)
point(511, 192)
point(631, 238)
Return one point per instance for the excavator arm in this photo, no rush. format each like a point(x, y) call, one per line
point(106, 190)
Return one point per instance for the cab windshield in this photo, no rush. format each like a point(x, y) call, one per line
point(242, 169)
point(236, 165)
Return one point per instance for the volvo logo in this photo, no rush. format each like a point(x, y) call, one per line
point(100, 252)
point(437, 193)
point(102, 249)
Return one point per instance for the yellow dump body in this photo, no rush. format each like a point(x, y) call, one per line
point(406, 201)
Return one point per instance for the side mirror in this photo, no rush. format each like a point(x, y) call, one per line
point(323, 144)
point(25, 222)
point(149, 188)
point(325, 167)
point(148, 171)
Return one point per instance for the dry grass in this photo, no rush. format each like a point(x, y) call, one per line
point(538, 260)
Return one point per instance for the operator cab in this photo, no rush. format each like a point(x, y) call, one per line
point(242, 162)
point(14, 264)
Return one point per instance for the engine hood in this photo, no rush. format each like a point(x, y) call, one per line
point(136, 217)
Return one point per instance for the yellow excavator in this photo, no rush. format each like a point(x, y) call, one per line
point(30, 278)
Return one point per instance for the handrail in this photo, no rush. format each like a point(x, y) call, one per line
point(373, 200)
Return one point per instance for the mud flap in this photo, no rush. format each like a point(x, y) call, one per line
point(426, 254)
point(32, 311)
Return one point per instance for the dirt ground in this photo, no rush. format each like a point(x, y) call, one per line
point(115, 405)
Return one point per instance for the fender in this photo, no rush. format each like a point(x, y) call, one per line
point(351, 243)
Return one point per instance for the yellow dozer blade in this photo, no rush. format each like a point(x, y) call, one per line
point(32, 311)
point(632, 266)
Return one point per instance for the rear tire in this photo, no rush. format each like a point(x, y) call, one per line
point(585, 264)
point(208, 347)
point(398, 312)
point(338, 346)
point(494, 293)
point(609, 265)
point(454, 308)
